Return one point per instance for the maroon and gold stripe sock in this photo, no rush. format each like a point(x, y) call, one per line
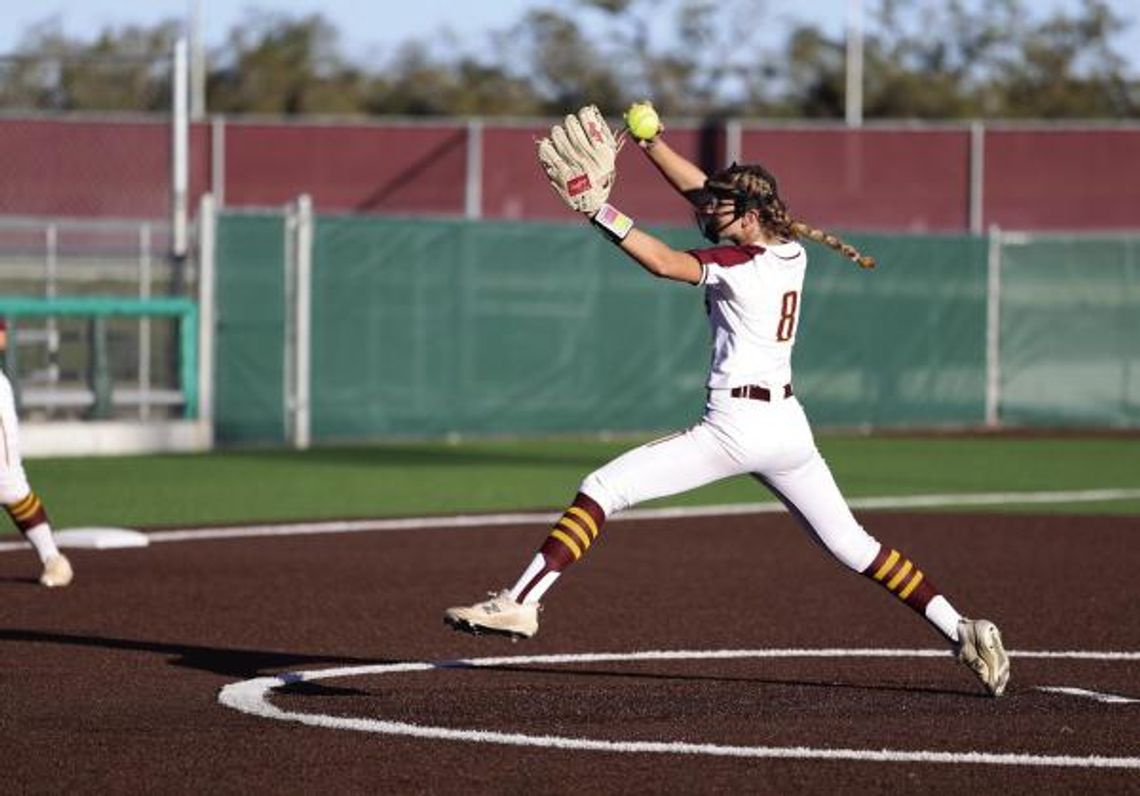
point(899, 575)
point(568, 540)
point(27, 513)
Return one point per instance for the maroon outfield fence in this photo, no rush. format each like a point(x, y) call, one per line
point(889, 177)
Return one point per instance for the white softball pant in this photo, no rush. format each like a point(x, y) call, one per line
point(770, 440)
point(13, 482)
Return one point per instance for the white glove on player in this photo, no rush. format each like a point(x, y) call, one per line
point(579, 158)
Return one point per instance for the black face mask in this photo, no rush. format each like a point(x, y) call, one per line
point(710, 227)
point(710, 224)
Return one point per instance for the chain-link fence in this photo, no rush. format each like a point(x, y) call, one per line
point(74, 366)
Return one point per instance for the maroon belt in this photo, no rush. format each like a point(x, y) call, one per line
point(757, 393)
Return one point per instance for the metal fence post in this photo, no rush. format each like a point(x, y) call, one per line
point(100, 370)
point(298, 309)
point(473, 189)
point(144, 321)
point(303, 371)
point(12, 361)
point(207, 297)
point(976, 207)
point(993, 329)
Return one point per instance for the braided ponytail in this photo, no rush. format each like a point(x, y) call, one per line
point(800, 229)
point(755, 188)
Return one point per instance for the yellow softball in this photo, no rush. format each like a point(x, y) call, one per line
point(643, 121)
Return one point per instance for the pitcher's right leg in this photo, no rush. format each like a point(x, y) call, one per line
point(811, 494)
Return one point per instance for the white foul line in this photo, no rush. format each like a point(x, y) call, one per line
point(251, 697)
point(519, 518)
point(545, 518)
point(1099, 696)
point(676, 512)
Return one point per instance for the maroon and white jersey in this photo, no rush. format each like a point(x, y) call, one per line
point(752, 294)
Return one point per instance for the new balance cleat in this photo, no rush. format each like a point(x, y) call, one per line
point(500, 615)
point(57, 572)
point(980, 648)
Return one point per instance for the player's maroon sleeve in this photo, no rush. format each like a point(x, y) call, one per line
point(726, 256)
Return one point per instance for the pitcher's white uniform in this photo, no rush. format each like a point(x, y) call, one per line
point(752, 421)
point(753, 295)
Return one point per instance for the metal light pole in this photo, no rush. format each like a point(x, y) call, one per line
point(197, 63)
point(854, 98)
point(179, 148)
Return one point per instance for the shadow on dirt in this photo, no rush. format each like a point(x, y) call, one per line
point(236, 663)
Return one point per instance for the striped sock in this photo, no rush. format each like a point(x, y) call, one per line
point(898, 575)
point(31, 518)
point(27, 513)
point(569, 539)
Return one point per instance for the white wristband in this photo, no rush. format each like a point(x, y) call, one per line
point(616, 224)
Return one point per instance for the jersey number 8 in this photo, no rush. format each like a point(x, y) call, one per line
point(788, 306)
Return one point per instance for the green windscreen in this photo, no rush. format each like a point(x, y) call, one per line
point(900, 345)
point(433, 327)
point(250, 329)
point(1070, 331)
point(437, 327)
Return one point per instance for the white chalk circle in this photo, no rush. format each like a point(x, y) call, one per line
point(252, 697)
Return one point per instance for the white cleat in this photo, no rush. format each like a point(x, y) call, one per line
point(500, 615)
point(980, 648)
point(57, 572)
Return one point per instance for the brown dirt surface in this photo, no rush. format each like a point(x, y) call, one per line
point(112, 684)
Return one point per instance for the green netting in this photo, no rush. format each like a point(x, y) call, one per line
point(903, 345)
point(101, 308)
point(431, 327)
point(436, 327)
point(1070, 331)
point(250, 329)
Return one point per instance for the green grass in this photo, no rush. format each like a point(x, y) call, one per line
point(438, 478)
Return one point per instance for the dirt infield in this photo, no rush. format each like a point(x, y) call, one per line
point(113, 684)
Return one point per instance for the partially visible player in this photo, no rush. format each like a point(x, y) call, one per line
point(752, 279)
point(21, 503)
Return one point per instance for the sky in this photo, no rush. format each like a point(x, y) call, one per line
point(369, 27)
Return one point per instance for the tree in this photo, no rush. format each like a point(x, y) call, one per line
point(930, 59)
point(693, 57)
point(276, 64)
point(567, 68)
point(969, 60)
point(1065, 67)
point(814, 76)
point(125, 69)
point(415, 84)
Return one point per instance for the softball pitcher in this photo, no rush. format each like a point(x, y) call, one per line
point(753, 287)
point(21, 503)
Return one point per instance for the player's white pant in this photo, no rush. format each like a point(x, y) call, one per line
point(13, 482)
point(770, 440)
